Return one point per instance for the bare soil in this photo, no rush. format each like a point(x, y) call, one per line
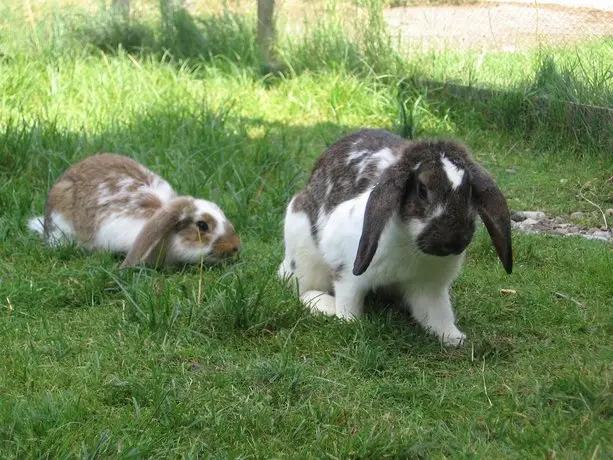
point(502, 25)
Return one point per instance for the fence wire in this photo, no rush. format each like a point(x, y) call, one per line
point(502, 25)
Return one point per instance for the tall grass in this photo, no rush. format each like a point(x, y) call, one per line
point(359, 45)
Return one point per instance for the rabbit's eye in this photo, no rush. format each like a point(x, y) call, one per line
point(202, 225)
point(423, 192)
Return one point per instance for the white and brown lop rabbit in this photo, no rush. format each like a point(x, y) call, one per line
point(112, 203)
point(382, 212)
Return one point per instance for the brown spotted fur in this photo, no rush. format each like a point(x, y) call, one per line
point(76, 196)
point(75, 193)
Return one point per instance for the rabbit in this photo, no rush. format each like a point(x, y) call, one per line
point(382, 212)
point(112, 203)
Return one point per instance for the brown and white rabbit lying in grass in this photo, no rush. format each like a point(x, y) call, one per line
point(110, 202)
point(382, 212)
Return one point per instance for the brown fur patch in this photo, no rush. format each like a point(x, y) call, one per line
point(150, 201)
point(191, 234)
point(76, 193)
point(228, 243)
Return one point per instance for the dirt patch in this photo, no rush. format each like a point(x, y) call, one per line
point(497, 26)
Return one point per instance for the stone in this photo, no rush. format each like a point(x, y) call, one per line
point(577, 215)
point(517, 216)
point(595, 237)
point(529, 222)
point(536, 215)
point(602, 233)
point(559, 220)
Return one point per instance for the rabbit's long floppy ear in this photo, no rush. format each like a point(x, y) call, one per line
point(156, 228)
point(494, 212)
point(383, 200)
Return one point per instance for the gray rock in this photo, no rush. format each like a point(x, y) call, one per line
point(529, 222)
point(532, 222)
point(559, 220)
point(517, 216)
point(594, 237)
point(536, 215)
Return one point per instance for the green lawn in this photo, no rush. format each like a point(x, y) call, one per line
point(224, 362)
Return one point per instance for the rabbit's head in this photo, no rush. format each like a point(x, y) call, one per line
point(194, 230)
point(437, 190)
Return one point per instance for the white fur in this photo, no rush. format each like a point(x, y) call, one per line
point(454, 174)
point(438, 211)
point(117, 233)
point(104, 194)
point(319, 302)
point(179, 251)
point(355, 155)
point(35, 224)
point(158, 187)
point(384, 157)
point(423, 279)
point(204, 206)
point(311, 270)
point(162, 189)
point(329, 188)
point(60, 229)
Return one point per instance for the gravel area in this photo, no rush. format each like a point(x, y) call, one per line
point(500, 25)
point(567, 225)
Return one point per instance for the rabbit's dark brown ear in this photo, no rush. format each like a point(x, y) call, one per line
point(494, 212)
point(385, 197)
point(156, 228)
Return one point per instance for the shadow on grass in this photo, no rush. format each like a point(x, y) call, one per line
point(230, 37)
point(181, 38)
point(250, 167)
point(526, 112)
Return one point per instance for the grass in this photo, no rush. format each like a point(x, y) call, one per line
point(225, 362)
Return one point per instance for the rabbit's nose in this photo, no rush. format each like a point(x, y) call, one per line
point(457, 244)
point(235, 244)
point(227, 246)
